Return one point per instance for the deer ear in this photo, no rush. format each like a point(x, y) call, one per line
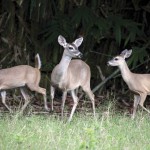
point(62, 41)
point(78, 42)
point(126, 53)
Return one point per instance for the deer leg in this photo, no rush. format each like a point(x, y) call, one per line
point(91, 96)
point(3, 95)
point(63, 103)
point(136, 102)
point(77, 91)
point(26, 98)
point(75, 99)
point(38, 89)
point(142, 100)
point(52, 92)
point(45, 103)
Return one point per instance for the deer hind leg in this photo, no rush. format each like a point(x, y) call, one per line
point(75, 99)
point(63, 103)
point(91, 96)
point(142, 100)
point(26, 98)
point(52, 92)
point(136, 102)
point(3, 95)
point(40, 90)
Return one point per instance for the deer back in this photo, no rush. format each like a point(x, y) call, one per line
point(18, 76)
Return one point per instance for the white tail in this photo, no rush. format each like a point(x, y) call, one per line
point(69, 74)
point(37, 61)
point(137, 83)
point(19, 76)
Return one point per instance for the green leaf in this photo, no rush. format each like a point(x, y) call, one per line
point(59, 25)
point(138, 56)
point(117, 33)
point(83, 16)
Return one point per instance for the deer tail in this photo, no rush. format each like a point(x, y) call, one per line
point(37, 61)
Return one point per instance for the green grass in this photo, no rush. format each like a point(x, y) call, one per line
point(108, 131)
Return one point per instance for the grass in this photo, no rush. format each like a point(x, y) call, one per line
point(108, 131)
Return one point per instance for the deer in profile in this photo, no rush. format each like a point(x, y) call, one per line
point(20, 76)
point(139, 84)
point(69, 74)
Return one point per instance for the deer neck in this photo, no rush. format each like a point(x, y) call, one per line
point(125, 72)
point(63, 65)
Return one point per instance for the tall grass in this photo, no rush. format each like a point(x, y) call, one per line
point(108, 131)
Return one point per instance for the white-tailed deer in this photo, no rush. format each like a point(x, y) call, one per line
point(137, 83)
point(69, 74)
point(19, 76)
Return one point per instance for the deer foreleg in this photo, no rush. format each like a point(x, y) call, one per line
point(75, 99)
point(63, 103)
point(52, 92)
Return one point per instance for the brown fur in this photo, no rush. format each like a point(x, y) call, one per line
point(20, 76)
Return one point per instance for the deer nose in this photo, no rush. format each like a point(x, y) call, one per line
point(108, 63)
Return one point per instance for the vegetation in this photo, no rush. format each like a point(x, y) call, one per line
point(109, 130)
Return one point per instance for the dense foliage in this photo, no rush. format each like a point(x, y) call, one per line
point(31, 26)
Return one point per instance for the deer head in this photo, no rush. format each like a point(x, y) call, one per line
point(71, 49)
point(120, 59)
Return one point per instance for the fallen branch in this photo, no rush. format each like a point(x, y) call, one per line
point(105, 80)
point(100, 73)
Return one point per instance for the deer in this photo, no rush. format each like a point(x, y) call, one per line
point(139, 84)
point(19, 77)
point(70, 74)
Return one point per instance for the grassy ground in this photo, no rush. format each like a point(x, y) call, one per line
point(108, 131)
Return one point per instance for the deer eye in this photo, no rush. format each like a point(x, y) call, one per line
point(116, 59)
point(71, 48)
